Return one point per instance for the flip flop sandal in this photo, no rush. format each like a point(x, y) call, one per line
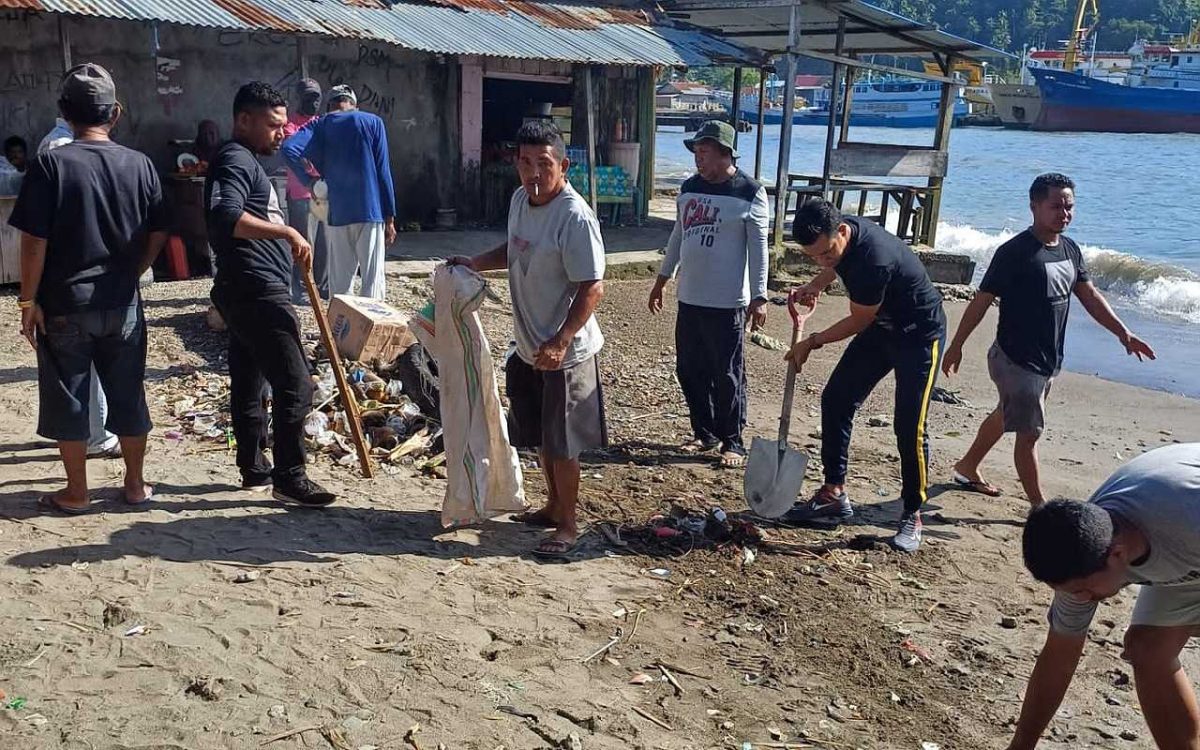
point(983, 488)
point(118, 494)
point(50, 503)
point(533, 518)
point(732, 460)
point(694, 447)
point(555, 549)
point(148, 499)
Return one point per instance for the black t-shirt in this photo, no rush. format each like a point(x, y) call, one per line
point(94, 202)
point(1034, 283)
point(879, 269)
point(238, 184)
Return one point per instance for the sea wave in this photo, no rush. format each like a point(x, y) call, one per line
point(1158, 287)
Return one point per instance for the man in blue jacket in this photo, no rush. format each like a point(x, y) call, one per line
point(349, 149)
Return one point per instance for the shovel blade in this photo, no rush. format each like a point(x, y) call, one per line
point(774, 476)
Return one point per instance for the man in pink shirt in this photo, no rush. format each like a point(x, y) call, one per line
point(308, 105)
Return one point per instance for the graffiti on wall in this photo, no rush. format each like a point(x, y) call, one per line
point(169, 90)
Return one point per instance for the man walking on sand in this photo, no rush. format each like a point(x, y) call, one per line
point(1141, 527)
point(897, 324)
point(255, 250)
point(349, 149)
point(92, 220)
point(1033, 275)
point(719, 247)
point(555, 261)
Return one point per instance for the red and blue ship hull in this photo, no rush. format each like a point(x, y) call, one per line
point(1071, 102)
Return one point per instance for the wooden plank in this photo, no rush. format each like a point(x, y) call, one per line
point(853, 62)
point(646, 129)
point(888, 161)
point(10, 245)
point(758, 134)
point(941, 142)
point(589, 98)
point(836, 85)
point(785, 130)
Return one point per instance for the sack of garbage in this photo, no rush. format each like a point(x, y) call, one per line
point(482, 469)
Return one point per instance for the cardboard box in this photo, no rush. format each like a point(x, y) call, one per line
point(366, 329)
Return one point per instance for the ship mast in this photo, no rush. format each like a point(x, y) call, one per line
point(1080, 31)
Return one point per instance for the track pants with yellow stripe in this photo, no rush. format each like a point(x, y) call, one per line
point(870, 356)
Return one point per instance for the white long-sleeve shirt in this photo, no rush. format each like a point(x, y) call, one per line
point(719, 243)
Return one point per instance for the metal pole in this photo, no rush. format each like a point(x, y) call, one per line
point(847, 104)
point(737, 103)
point(839, 80)
point(785, 129)
point(758, 133)
point(589, 99)
point(64, 40)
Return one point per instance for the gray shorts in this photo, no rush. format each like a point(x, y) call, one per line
point(559, 411)
point(1167, 606)
point(1022, 393)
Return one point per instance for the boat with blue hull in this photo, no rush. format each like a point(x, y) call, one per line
point(884, 103)
point(1071, 102)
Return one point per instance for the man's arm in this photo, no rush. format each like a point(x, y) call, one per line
point(587, 298)
point(155, 241)
point(295, 153)
point(1095, 304)
point(495, 259)
point(860, 317)
point(669, 265)
point(971, 318)
point(1047, 686)
point(387, 189)
point(227, 214)
point(757, 258)
point(33, 263)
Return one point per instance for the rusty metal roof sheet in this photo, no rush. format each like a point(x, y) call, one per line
point(522, 29)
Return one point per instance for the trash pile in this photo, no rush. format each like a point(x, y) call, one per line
point(681, 530)
point(398, 407)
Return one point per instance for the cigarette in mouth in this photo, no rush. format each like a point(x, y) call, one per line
point(537, 190)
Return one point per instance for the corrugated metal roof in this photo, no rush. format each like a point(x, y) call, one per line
point(496, 28)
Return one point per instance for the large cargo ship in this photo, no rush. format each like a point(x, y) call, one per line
point(1162, 101)
point(892, 102)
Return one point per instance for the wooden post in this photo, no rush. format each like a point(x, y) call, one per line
point(646, 131)
point(349, 399)
point(64, 41)
point(589, 98)
point(941, 142)
point(758, 133)
point(839, 80)
point(302, 56)
point(737, 103)
point(785, 129)
point(847, 103)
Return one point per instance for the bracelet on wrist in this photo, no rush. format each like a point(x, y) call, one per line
point(25, 304)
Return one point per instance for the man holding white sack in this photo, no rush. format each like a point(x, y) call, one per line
point(555, 261)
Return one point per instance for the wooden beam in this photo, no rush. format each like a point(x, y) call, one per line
point(851, 62)
point(737, 103)
point(813, 32)
point(64, 41)
point(835, 90)
point(302, 56)
point(589, 98)
point(884, 160)
point(785, 129)
point(941, 142)
point(847, 105)
point(646, 130)
point(758, 133)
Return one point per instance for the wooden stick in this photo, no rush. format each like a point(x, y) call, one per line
point(349, 399)
point(648, 717)
point(671, 679)
point(290, 732)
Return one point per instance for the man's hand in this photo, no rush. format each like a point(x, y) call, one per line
point(550, 355)
point(806, 295)
point(799, 353)
point(952, 360)
point(1135, 346)
point(32, 323)
point(756, 315)
point(465, 261)
point(656, 296)
point(389, 233)
point(301, 250)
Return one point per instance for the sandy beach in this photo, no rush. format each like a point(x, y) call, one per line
point(221, 619)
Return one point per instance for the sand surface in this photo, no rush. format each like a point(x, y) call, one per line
point(368, 626)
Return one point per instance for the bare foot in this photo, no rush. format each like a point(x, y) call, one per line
point(64, 502)
point(559, 546)
point(542, 519)
point(138, 494)
point(732, 460)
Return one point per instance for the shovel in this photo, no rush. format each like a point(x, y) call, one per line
point(775, 471)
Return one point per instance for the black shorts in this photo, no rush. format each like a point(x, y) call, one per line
point(112, 340)
point(559, 411)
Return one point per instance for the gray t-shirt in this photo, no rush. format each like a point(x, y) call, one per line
point(551, 250)
point(1159, 492)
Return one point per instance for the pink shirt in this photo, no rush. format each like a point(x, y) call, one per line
point(295, 189)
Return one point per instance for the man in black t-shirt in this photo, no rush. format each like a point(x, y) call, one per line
point(92, 220)
point(1033, 275)
point(898, 326)
point(255, 249)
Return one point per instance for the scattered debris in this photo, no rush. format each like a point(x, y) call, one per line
point(135, 630)
point(246, 576)
point(204, 687)
point(879, 421)
point(1008, 623)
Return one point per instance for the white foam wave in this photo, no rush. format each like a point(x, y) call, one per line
point(1158, 287)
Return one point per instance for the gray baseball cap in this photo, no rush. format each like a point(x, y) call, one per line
point(713, 130)
point(342, 91)
point(88, 85)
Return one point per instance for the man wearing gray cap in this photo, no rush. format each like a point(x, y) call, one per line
point(349, 148)
point(92, 220)
point(301, 217)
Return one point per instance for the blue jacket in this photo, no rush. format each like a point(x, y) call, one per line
point(350, 150)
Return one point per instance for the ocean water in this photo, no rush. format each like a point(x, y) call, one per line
point(1136, 219)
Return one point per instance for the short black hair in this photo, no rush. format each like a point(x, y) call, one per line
point(1065, 540)
point(816, 218)
point(86, 115)
point(13, 141)
point(257, 95)
point(542, 133)
point(1044, 183)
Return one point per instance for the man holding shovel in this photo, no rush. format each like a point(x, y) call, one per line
point(255, 249)
point(719, 247)
point(898, 325)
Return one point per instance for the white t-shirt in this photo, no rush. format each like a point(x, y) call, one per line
point(551, 250)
